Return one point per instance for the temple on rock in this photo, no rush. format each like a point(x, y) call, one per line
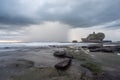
point(94, 37)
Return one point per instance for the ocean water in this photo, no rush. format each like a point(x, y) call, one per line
point(22, 46)
point(39, 44)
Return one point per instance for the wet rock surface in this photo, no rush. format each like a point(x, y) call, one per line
point(61, 54)
point(22, 63)
point(39, 63)
point(63, 65)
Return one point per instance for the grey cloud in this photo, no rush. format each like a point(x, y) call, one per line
point(113, 24)
point(16, 20)
point(87, 14)
point(14, 14)
point(10, 35)
point(78, 13)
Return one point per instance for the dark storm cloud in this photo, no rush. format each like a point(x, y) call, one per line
point(16, 20)
point(14, 14)
point(85, 13)
point(77, 13)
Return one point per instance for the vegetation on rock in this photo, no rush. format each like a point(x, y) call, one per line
point(94, 37)
point(93, 66)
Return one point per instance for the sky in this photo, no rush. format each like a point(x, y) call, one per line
point(58, 20)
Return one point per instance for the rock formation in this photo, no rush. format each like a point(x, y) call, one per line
point(95, 37)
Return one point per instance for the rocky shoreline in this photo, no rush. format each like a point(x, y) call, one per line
point(38, 64)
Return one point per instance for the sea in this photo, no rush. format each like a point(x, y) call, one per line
point(41, 44)
point(10, 46)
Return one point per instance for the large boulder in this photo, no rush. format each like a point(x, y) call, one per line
point(63, 65)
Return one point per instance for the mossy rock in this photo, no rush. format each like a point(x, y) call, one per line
point(45, 73)
point(23, 64)
point(96, 68)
